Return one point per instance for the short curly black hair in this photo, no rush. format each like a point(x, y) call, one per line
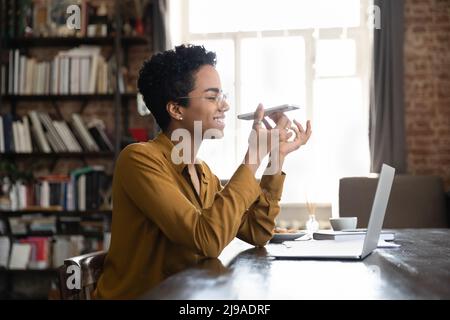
point(169, 75)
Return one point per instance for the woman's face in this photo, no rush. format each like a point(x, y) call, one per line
point(203, 106)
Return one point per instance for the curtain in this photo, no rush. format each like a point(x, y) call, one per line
point(156, 27)
point(386, 126)
point(160, 34)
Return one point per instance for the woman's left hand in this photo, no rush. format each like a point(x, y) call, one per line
point(283, 124)
point(281, 149)
point(301, 138)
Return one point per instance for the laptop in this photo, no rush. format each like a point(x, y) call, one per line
point(349, 249)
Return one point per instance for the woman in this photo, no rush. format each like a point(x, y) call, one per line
point(169, 214)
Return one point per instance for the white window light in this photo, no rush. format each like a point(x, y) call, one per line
point(312, 53)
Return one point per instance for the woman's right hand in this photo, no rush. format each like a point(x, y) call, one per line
point(259, 141)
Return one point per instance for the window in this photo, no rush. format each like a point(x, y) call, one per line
point(312, 53)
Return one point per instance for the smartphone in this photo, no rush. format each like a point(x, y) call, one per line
point(269, 111)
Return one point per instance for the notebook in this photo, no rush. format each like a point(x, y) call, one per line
point(350, 235)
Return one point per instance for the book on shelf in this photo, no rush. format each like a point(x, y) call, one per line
point(350, 235)
point(3, 226)
point(86, 188)
point(27, 143)
point(80, 70)
point(50, 191)
point(16, 70)
point(20, 256)
point(83, 133)
point(38, 132)
point(3, 88)
point(43, 209)
point(2, 136)
point(67, 136)
point(83, 189)
point(5, 245)
point(51, 134)
point(97, 129)
point(43, 225)
point(17, 225)
point(41, 253)
point(35, 224)
point(7, 133)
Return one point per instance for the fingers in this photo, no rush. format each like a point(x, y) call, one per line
point(276, 116)
point(285, 135)
point(301, 137)
point(304, 134)
point(297, 132)
point(299, 126)
point(266, 123)
point(308, 129)
point(259, 116)
point(281, 120)
point(297, 142)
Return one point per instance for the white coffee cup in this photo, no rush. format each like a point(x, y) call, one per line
point(343, 223)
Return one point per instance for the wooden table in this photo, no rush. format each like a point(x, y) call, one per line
point(419, 269)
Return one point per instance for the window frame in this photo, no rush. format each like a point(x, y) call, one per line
point(361, 35)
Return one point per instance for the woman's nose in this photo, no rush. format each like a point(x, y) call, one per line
point(225, 106)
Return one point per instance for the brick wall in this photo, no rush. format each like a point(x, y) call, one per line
point(427, 87)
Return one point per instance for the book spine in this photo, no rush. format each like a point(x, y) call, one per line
point(2, 135)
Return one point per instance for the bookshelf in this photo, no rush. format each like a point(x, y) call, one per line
point(74, 225)
point(29, 271)
point(61, 213)
point(66, 97)
point(73, 41)
point(33, 155)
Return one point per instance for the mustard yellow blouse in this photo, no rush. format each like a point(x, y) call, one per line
point(160, 225)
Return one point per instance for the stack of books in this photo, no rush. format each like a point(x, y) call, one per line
point(86, 188)
point(38, 132)
point(81, 70)
point(357, 234)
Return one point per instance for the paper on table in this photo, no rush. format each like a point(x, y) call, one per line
point(381, 242)
point(385, 244)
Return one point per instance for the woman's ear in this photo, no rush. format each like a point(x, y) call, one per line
point(174, 110)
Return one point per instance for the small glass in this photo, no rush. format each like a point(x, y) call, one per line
point(312, 225)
